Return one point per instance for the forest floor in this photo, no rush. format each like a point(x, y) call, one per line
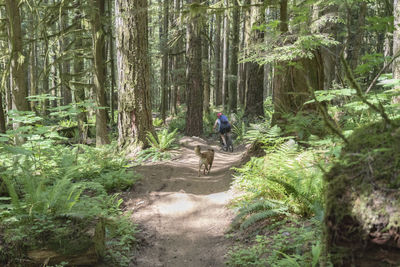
point(183, 218)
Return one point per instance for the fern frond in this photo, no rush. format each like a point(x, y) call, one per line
point(12, 192)
point(256, 207)
point(262, 216)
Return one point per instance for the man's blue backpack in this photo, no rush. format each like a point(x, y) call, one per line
point(223, 119)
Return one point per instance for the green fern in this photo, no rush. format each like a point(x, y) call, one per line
point(239, 130)
point(259, 210)
point(15, 201)
point(159, 146)
point(164, 140)
point(262, 216)
point(157, 122)
point(287, 174)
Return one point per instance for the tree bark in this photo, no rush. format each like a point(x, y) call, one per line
point(206, 70)
point(112, 63)
point(396, 39)
point(134, 103)
point(194, 85)
point(245, 43)
point(255, 73)
point(79, 88)
point(65, 64)
point(2, 117)
point(33, 69)
point(164, 65)
point(355, 25)
point(233, 81)
point(17, 71)
point(293, 80)
point(217, 71)
point(225, 56)
point(99, 72)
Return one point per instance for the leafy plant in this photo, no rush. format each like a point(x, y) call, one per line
point(285, 243)
point(259, 210)
point(157, 122)
point(284, 181)
point(159, 146)
point(55, 194)
point(239, 130)
point(178, 122)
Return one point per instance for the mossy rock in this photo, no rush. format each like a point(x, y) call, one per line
point(362, 219)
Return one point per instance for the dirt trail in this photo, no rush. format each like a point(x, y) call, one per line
point(184, 217)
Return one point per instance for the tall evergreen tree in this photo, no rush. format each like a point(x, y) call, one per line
point(194, 79)
point(18, 64)
point(134, 102)
point(233, 82)
point(99, 72)
point(255, 72)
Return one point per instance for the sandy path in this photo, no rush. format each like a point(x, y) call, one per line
point(184, 217)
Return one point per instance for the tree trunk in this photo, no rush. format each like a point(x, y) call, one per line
point(225, 56)
point(233, 81)
point(293, 80)
point(206, 71)
point(244, 47)
point(194, 85)
point(79, 89)
point(65, 66)
point(134, 103)
point(217, 71)
point(99, 73)
point(2, 117)
point(396, 39)
point(112, 64)
point(164, 65)
point(283, 16)
point(33, 72)
point(291, 83)
point(17, 71)
point(329, 54)
point(356, 25)
point(255, 73)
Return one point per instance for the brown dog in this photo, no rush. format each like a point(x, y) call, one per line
point(205, 158)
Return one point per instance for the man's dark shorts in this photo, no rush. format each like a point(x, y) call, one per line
point(226, 129)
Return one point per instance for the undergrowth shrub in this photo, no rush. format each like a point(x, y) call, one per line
point(52, 197)
point(160, 146)
point(289, 242)
point(285, 180)
point(178, 122)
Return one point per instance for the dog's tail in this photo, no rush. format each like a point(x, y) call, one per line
point(197, 150)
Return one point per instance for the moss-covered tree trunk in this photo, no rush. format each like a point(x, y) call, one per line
point(293, 80)
point(291, 84)
point(134, 103)
point(362, 217)
point(194, 79)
